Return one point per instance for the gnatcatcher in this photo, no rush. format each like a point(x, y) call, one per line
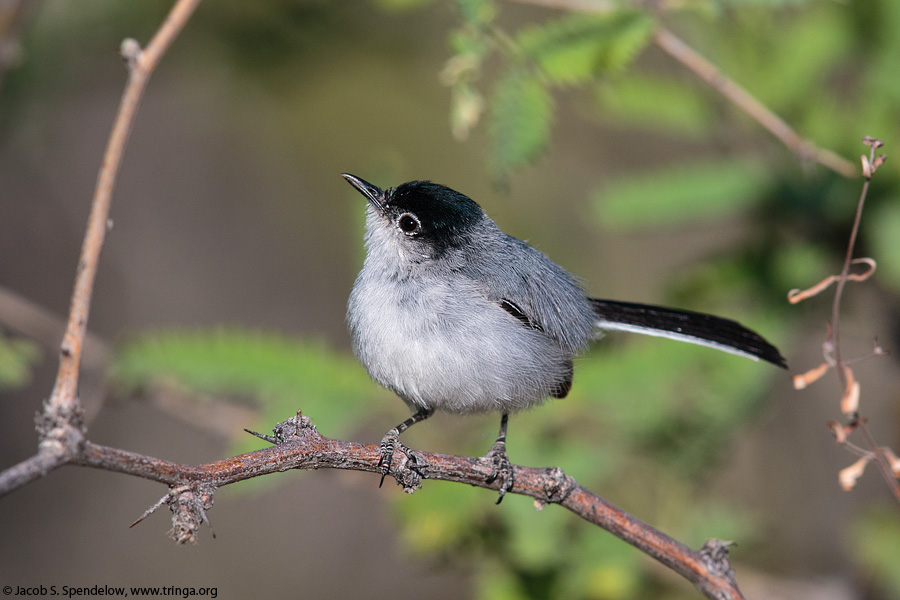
point(453, 314)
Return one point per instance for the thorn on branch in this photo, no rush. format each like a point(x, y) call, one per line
point(151, 510)
point(269, 438)
point(293, 429)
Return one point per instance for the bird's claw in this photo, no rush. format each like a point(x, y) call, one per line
point(408, 472)
point(501, 468)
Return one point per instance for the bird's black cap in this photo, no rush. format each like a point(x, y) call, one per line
point(443, 213)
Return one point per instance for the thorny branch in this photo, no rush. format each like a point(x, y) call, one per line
point(298, 445)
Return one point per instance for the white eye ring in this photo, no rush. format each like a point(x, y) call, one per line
point(409, 224)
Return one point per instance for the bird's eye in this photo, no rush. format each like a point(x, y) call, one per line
point(408, 223)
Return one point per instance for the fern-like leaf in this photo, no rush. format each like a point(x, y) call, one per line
point(521, 114)
point(575, 48)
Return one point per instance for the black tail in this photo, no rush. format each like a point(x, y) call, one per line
point(686, 326)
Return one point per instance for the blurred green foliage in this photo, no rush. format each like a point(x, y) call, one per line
point(681, 195)
point(279, 375)
point(876, 541)
point(522, 109)
point(17, 357)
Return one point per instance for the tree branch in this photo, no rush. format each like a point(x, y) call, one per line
point(672, 45)
point(298, 445)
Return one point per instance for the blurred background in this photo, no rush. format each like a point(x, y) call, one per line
point(223, 283)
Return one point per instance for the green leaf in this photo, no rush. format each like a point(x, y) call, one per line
point(521, 113)
point(401, 5)
point(17, 357)
point(573, 48)
point(469, 40)
point(803, 54)
point(680, 195)
point(634, 101)
point(876, 537)
point(279, 374)
point(477, 11)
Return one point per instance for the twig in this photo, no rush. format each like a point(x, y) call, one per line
point(849, 386)
point(877, 453)
point(845, 269)
point(300, 446)
point(141, 65)
point(60, 423)
point(695, 62)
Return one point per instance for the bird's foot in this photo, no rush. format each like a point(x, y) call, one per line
point(408, 470)
point(501, 468)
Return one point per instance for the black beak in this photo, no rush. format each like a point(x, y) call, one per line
point(373, 193)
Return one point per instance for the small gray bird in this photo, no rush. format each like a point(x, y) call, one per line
point(453, 314)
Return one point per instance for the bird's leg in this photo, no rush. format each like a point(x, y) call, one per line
point(502, 469)
point(391, 441)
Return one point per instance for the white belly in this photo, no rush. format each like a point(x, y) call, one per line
point(448, 348)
